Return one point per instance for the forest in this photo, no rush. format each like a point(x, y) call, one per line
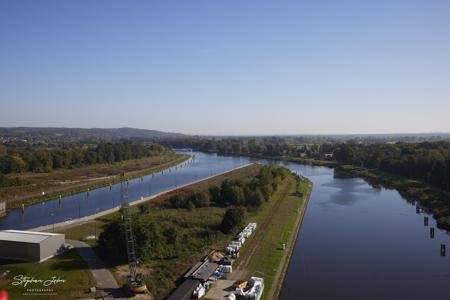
point(428, 162)
point(19, 159)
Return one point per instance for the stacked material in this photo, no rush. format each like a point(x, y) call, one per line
point(217, 274)
point(225, 269)
point(239, 240)
point(248, 230)
point(199, 291)
point(254, 289)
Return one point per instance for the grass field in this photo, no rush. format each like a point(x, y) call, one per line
point(71, 181)
point(68, 267)
point(278, 222)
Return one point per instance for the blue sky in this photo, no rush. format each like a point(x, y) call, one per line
point(227, 67)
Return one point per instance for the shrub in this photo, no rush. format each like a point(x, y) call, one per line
point(178, 201)
point(214, 192)
point(233, 219)
point(201, 199)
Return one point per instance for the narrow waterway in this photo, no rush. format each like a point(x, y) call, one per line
point(200, 166)
point(356, 242)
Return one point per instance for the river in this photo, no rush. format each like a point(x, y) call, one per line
point(356, 242)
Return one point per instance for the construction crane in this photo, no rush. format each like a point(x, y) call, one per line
point(136, 282)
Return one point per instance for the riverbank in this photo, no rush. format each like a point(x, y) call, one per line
point(73, 223)
point(110, 174)
point(279, 223)
point(283, 268)
point(430, 199)
point(299, 160)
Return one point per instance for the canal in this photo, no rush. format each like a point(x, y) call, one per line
point(356, 241)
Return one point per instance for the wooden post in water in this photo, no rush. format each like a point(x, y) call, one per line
point(425, 221)
point(23, 209)
point(442, 249)
point(432, 232)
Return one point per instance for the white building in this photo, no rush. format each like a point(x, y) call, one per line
point(30, 245)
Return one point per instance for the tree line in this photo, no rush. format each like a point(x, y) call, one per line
point(160, 240)
point(250, 194)
point(253, 146)
point(428, 161)
point(21, 159)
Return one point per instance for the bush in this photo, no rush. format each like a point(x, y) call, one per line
point(233, 219)
point(201, 199)
point(267, 191)
point(112, 240)
point(255, 198)
point(214, 192)
point(3, 180)
point(178, 201)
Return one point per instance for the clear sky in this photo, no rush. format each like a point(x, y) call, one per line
point(227, 67)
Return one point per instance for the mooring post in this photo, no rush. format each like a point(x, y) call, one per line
point(417, 209)
point(425, 221)
point(432, 232)
point(442, 249)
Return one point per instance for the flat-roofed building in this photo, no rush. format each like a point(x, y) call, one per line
point(30, 245)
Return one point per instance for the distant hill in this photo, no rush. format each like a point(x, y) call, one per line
point(83, 135)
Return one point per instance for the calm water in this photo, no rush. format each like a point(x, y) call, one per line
point(356, 242)
point(80, 205)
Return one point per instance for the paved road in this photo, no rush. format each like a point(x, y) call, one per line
point(103, 277)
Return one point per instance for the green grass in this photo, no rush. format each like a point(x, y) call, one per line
point(68, 266)
point(282, 212)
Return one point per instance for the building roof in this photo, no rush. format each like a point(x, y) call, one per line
point(193, 269)
point(205, 271)
point(185, 290)
point(25, 236)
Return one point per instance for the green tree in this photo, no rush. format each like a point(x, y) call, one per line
point(233, 219)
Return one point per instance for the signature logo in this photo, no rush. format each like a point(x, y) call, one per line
point(21, 280)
